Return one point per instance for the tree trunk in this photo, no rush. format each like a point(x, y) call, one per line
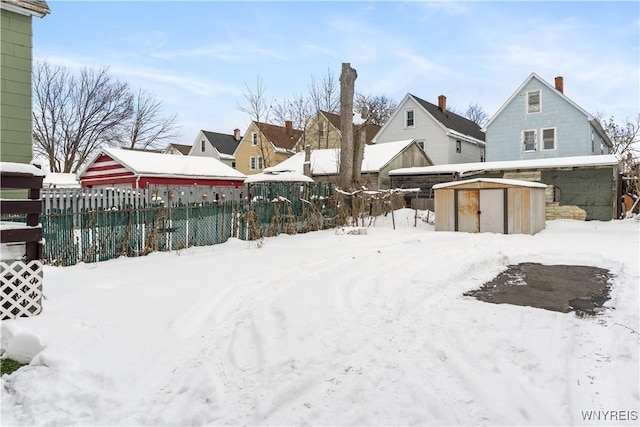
point(307, 160)
point(347, 85)
point(358, 154)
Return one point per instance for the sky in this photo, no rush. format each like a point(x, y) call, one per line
point(198, 58)
point(194, 338)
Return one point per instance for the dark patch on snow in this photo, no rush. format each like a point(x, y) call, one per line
point(562, 288)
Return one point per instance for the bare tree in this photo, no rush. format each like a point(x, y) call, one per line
point(258, 108)
point(476, 114)
point(625, 137)
point(297, 109)
point(325, 94)
point(375, 108)
point(347, 85)
point(147, 127)
point(74, 115)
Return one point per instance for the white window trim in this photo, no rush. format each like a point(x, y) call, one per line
point(202, 146)
point(406, 114)
point(259, 163)
point(321, 128)
point(458, 146)
point(254, 138)
point(539, 101)
point(252, 163)
point(535, 141)
point(555, 139)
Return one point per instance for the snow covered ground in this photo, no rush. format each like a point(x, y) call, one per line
point(328, 328)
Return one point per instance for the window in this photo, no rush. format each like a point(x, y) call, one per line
point(233, 165)
point(528, 140)
point(533, 102)
point(321, 128)
point(409, 119)
point(252, 163)
point(420, 143)
point(458, 146)
point(482, 158)
point(254, 138)
point(260, 163)
point(593, 142)
point(549, 139)
point(202, 146)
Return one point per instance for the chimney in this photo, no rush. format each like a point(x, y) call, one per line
point(289, 125)
point(442, 102)
point(560, 84)
point(236, 134)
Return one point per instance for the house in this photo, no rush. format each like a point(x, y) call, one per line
point(324, 132)
point(265, 145)
point(582, 187)
point(177, 149)
point(539, 121)
point(15, 77)
point(446, 137)
point(202, 177)
point(220, 146)
point(378, 160)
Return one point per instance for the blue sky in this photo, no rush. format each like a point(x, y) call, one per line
point(198, 57)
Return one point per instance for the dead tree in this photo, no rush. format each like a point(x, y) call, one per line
point(347, 86)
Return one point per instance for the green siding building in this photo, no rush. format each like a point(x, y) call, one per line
point(15, 77)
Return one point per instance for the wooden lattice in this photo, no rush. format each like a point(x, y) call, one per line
point(20, 289)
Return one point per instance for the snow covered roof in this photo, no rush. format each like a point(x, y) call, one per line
point(22, 168)
point(325, 162)
point(276, 176)
point(159, 164)
point(61, 180)
point(465, 168)
point(515, 182)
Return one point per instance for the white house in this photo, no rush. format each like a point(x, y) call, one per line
point(445, 136)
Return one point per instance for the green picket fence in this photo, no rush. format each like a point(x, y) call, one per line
point(100, 235)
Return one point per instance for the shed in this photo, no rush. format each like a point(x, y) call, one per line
point(490, 205)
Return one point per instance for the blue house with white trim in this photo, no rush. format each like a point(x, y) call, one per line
point(539, 121)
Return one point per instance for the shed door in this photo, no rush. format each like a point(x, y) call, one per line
point(467, 211)
point(492, 211)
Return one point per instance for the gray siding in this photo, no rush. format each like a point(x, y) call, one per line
point(573, 130)
point(425, 128)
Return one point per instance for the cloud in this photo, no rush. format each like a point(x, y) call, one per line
point(235, 51)
point(146, 74)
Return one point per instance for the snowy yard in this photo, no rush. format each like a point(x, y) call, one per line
point(327, 328)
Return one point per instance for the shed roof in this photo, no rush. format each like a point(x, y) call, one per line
point(325, 161)
point(504, 182)
point(159, 164)
point(277, 176)
point(553, 163)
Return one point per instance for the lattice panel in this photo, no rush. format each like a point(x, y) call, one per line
point(21, 289)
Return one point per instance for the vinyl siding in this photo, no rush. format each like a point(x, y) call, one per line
point(573, 130)
point(15, 84)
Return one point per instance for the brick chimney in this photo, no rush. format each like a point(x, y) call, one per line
point(560, 84)
point(289, 125)
point(236, 134)
point(442, 102)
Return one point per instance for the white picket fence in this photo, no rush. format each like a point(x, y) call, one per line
point(82, 199)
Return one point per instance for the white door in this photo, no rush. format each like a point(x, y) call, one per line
point(492, 211)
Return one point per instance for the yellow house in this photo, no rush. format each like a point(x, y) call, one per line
point(265, 145)
point(323, 132)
